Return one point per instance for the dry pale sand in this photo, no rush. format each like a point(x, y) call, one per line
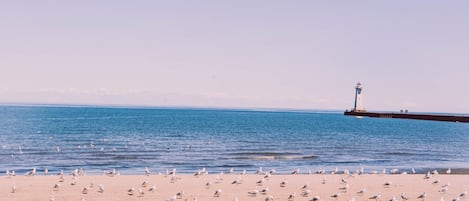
point(40, 188)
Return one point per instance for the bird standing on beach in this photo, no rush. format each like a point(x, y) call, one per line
point(448, 171)
point(31, 173)
point(305, 193)
point(292, 196)
point(253, 193)
point(101, 188)
point(422, 196)
point(283, 183)
point(217, 193)
point(147, 171)
point(260, 182)
point(145, 183)
point(336, 195)
point(376, 197)
point(85, 190)
point(13, 188)
point(264, 190)
point(315, 198)
point(56, 187)
point(296, 171)
point(361, 191)
point(152, 188)
point(404, 197)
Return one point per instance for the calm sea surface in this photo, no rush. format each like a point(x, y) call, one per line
point(130, 139)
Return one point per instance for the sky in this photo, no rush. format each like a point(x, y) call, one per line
point(237, 54)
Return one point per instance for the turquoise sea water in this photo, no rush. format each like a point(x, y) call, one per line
point(130, 139)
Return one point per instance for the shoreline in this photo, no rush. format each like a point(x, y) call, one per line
point(233, 186)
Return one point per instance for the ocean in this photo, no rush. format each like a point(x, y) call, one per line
point(130, 139)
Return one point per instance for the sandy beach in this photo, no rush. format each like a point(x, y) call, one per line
point(232, 186)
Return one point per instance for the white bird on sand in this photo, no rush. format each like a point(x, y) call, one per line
point(179, 194)
point(218, 179)
point(61, 179)
point(387, 184)
point(413, 171)
point(145, 183)
point(335, 195)
point(52, 198)
point(463, 194)
point(101, 188)
point(269, 198)
point(13, 188)
point(345, 188)
point(315, 198)
point(323, 180)
point(361, 191)
point(217, 193)
point(296, 171)
point(141, 193)
point(393, 198)
point(85, 190)
point(443, 189)
point(435, 172)
point(31, 173)
point(264, 190)
point(152, 188)
point(292, 196)
point(259, 171)
point(305, 193)
point(238, 180)
point(243, 172)
point(56, 187)
point(10, 173)
point(376, 197)
point(343, 180)
point(283, 183)
point(422, 196)
point(230, 171)
point(260, 182)
point(46, 171)
point(436, 181)
point(305, 186)
point(172, 198)
point(147, 171)
point(404, 197)
point(253, 193)
point(448, 171)
point(74, 181)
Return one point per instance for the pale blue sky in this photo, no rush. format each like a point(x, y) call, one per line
point(254, 54)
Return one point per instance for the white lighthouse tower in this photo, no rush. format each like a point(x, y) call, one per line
point(358, 106)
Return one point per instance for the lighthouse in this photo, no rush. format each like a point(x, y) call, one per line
point(358, 106)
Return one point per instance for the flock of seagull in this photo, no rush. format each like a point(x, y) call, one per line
point(263, 192)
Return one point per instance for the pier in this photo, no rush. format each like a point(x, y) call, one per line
point(358, 110)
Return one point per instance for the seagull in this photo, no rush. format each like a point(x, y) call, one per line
point(10, 173)
point(173, 172)
point(85, 190)
point(305, 193)
point(404, 197)
point(305, 186)
point(172, 198)
point(292, 196)
point(230, 171)
point(436, 181)
point(264, 190)
point(443, 190)
point(31, 173)
point(260, 182)
point(140, 192)
point(336, 195)
point(243, 172)
point(323, 180)
point(259, 171)
point(448, 171)
point(393, 198)
point(74, 181)
point(237, 181)
point(423, 195)
point(271, 171)
point(343, 180)
point(217, 193)
point(147, 171)
point(131, 191)
point(387, 184)
point(61, 172)
point(456, 199)
point(394, 171)
point(52, 198)
point(145, 183)
point(101, 188)
point(376, 197)
point(208, 184)
point(344, 189)
point(315, 198)
point(56, 187)
point(179, 194)
point(218, 179)
point(46, 171)
point(61, 179)
point(297, 171)
point(194, 199)
point(253, 193)
point(361, 191)
point(413, 171)
point(463, 194)
point(269, 198)
point(152, 188)
point(13, 188)
point(435, 172)
point(283, 183)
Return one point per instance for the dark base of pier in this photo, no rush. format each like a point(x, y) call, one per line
point(433, 117)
